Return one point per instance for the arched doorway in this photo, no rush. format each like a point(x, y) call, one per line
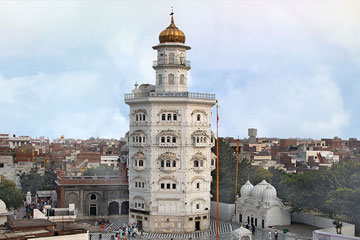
point(125, 207)
point(113, 208)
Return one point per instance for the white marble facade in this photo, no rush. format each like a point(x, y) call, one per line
point(170, 141)
point(260, 206)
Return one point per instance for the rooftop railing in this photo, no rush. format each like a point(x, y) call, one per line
point(168, 62)
point(191, 95)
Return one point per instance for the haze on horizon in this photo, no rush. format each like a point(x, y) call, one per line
point(287, 68)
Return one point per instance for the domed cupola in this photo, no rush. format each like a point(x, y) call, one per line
point(2, 207)
point(269, 193)
point(245, 190)
point(172, 33)
point(258, 190)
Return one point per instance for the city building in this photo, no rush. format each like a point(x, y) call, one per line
point(93, 196)
point(260, 206)
point(7, 168)
point(170, 141)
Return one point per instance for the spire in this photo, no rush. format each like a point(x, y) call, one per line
point(172, 15)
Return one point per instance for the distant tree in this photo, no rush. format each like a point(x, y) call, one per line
point(31, 181)
point(34, 181)
point(11, 196)
point(227, 171)
point(48, 179)
point(101, 170)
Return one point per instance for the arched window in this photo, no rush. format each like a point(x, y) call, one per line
point(162, 163)
point(171, 58)
point(182, 58)
point(169, 117)
point(201, 163)
point(168, 163)
point(198, 185)
point(212, 162)
point(141, 163)
point(182, 79)
point(198, 117)
point(168, 139)
point(163, 117)
point(174, 117)
point(93, 197)
point(196, 163)
point(171, 79)
point(174, 163)
point(174, 139)
point(160, 79)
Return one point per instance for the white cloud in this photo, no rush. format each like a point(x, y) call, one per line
point(104, 48)
point(300, 107)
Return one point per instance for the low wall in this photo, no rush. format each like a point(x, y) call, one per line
point(326, 224)
point(81, 236)
point(321, 235)
point(226, 211)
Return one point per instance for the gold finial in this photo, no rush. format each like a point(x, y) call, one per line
point(172, 33)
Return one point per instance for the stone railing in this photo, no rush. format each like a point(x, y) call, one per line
point(191, 95)
point(169, 62)
point(92, 180)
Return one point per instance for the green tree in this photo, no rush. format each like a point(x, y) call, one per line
point(101, 170)
point(48, 179)
point(31, 181)
point(11, 196)
point(227, 171)
point(34, 181)
point(342, 202)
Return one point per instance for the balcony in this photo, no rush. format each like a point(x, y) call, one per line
point(168, 63)
point(190, 95)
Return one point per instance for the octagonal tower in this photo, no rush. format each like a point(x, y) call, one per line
point(170, 141)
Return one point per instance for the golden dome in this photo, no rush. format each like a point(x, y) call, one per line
point(172, 34)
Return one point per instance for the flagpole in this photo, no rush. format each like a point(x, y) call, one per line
point(237, 171)
point(217, 170)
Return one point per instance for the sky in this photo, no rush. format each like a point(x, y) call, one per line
point(287, 68)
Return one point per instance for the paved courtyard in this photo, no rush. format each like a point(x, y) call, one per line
point(225, 229)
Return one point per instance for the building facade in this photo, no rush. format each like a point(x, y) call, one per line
point(93, 196)
point(170, 141)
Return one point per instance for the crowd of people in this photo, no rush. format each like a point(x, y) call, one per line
point(125, 231)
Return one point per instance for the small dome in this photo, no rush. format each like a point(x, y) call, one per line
point(258, 190)
point(172, 34)
point(2, 207)
point(124, 149)
point(269, 193)
point(245, 190)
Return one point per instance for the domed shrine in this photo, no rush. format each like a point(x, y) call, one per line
point(259, 205)
point(3, 213)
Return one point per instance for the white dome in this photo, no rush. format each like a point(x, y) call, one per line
point(245, 190)
point(269, 193)
point(241, 231)
point(2, 207)
point(258, 190)
point(124, 149)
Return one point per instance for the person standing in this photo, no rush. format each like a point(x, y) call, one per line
point(276, 235)
point(253, 229)
point(270, 234)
